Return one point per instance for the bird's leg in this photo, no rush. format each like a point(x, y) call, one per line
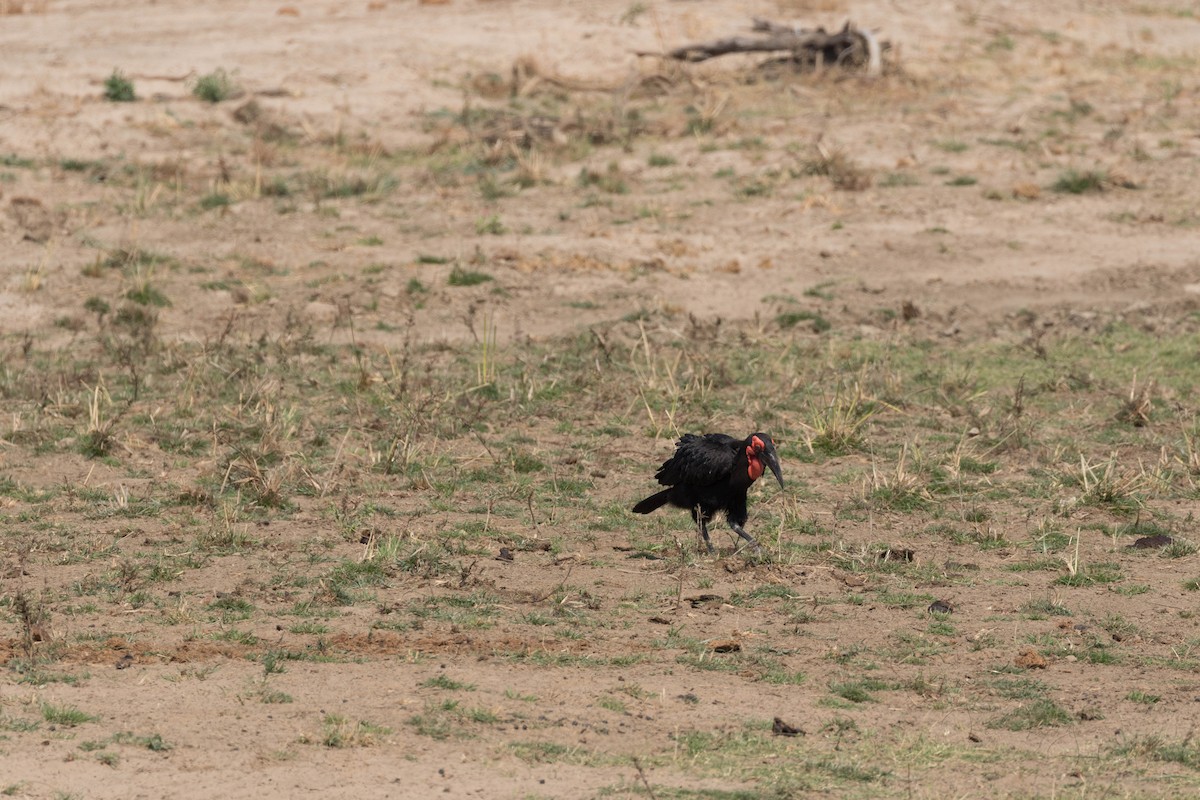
point(740, 531)
point(698, 515)
point(704, 533)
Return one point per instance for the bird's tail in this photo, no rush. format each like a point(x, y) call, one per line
point(654, 501)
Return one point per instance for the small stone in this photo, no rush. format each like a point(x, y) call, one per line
point(781, 728)
point(1151, 542)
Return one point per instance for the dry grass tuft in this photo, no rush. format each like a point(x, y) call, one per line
point(1135, 409)
point(843, 171)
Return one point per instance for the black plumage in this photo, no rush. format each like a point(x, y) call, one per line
point(712, 473)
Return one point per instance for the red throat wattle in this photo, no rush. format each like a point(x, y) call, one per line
point(755, 468)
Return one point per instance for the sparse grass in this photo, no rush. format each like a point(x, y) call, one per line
point(1107, 484)
point(490, 225)
point(1077, 182)
point(1041, 713)
point(783, 767)
point(1020, 688)
point(338, 731)
point(118, 88)
point(154, 742)
point(1144, 698)
point(447, 683)
point(18, 725)
point(1040, 609)
point(899, 489)
point(65, 716)
point(836, 424)
point(466, 277)
point(1179, 548)
point(215, 200)
point(842, 170)
point(440, 720)
point(898, 179)
point(611, 179)
point(1086, 577)
point(1185, 753)
point(215, 86)
point(14, 160)
point(858, 691)
point(816, 322)
point(345, 462)
point(146, 294)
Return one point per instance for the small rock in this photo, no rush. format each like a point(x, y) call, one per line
point(940, 607)
point(1151, 542)
point(781, 728)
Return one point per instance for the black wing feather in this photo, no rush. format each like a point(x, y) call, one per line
point(700, 460)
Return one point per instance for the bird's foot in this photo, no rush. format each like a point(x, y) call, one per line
point(740, 531)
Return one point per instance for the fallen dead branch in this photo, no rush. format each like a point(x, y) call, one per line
point(851, 47)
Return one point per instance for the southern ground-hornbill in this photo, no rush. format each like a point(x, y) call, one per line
point(712, 473)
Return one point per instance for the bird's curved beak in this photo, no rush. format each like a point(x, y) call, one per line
point(772, 462)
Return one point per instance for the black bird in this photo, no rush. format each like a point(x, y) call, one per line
point(712, 473)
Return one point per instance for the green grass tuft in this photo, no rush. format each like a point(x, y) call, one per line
point(118, 88)
point(1040, 713)
point(1076, 182)
point(466, 277)
point(214, 87)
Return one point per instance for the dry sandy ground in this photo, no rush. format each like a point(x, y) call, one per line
point(985, 106)
point(379, 73)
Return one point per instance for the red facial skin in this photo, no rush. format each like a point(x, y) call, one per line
point(755, 468)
